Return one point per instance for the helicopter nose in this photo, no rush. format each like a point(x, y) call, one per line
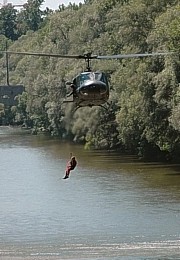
point(93, 87)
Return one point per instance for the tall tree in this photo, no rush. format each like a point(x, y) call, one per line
point(8, 22)
point(31, 17)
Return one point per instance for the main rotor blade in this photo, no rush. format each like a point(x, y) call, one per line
point(88, 55)
point(136, 55)
point(45, 54)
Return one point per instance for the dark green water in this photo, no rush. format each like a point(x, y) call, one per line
point(112, 207)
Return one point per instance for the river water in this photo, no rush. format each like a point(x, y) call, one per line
point(112, 206)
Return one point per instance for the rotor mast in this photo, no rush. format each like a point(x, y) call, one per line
point(88, 56)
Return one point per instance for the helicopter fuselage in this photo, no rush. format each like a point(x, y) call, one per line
point(91, 89)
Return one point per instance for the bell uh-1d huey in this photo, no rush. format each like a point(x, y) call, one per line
point(89, 88)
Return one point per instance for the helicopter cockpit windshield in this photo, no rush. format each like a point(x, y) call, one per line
point(91, 76)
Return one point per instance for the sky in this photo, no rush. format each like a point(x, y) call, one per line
point(52, 4)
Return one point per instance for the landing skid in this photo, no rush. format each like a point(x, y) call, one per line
point(68, 101)
point(106, 108)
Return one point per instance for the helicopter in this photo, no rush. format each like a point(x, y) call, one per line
point(89, 88)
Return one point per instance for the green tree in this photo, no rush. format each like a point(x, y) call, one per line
point(31, 16)
point(8, 22)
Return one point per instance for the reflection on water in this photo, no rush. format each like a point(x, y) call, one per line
point(111, 206)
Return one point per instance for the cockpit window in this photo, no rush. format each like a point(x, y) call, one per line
point(101, 77)
point(85, 76)
point(98, 76)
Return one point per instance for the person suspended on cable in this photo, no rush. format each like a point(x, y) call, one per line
point(72, 163)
